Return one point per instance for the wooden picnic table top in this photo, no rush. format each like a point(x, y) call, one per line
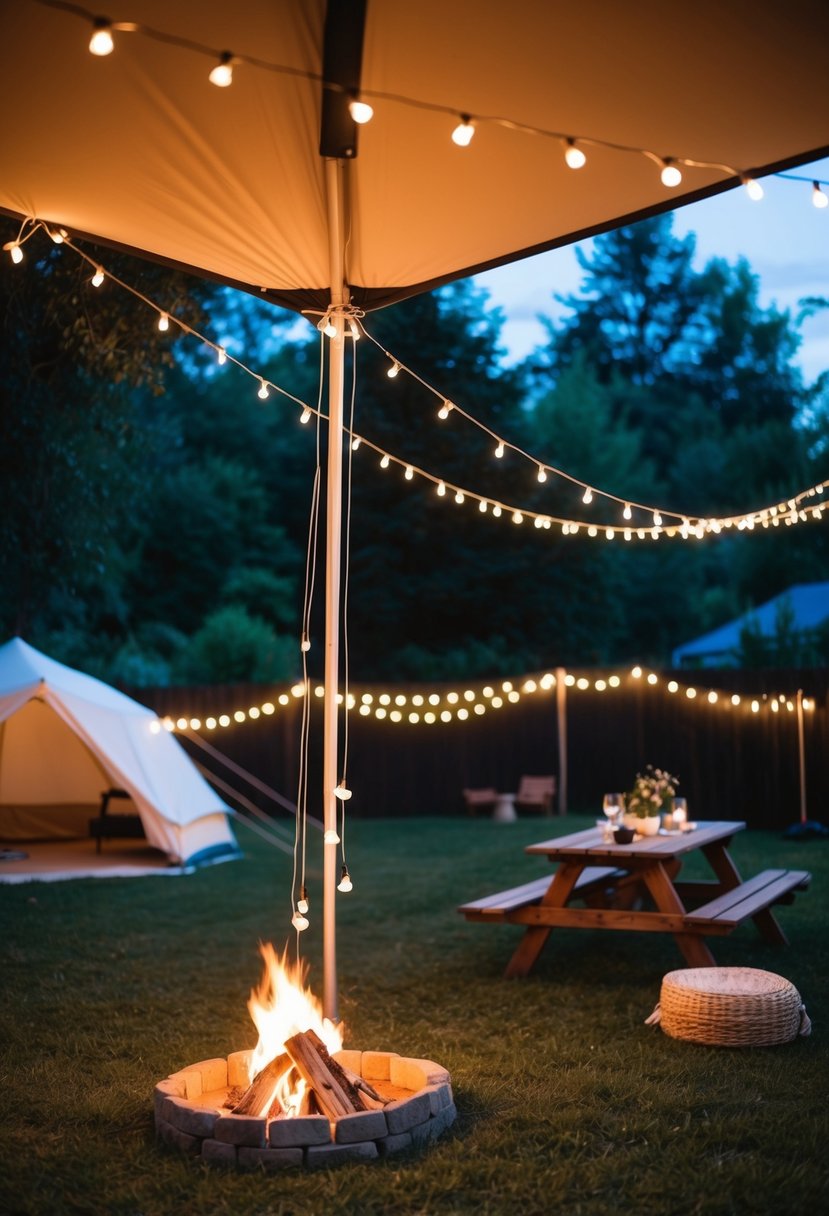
point(590, 843)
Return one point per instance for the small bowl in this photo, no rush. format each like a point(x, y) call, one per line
point(623, 835)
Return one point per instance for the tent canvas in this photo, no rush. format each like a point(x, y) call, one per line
point(65, 737)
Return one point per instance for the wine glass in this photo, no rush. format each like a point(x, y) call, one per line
point(612, 805)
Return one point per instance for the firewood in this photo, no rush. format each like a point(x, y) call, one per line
point(259, 1092)
point(335, 1094)
point(368, 1094)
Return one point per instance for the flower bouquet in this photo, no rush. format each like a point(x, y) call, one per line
point(651, 794)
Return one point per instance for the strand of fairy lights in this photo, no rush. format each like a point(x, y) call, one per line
point(429, 708)
point(789, 511)
point(102, 43)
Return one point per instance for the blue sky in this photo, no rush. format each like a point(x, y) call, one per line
point(783, 236)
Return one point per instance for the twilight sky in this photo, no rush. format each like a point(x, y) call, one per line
point(784, 237)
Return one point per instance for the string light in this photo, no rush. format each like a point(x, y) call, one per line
point(164, 322)
point(671, 174)
point(342, 792)
point(222, 74)
point(263, 390)
point(15, 251)
point(101, 42)
point(753, 189)
point(330, 836)
point(587, 496)
point(393, 371)
point(305, 416)
point(299, 922)
point(345, 884)
point(360, 111)
point(445, 410)
point(463, 132)
point(820, 198)
point(499, 451)
point(302, 903)
point(574, 156)
point(221, 356)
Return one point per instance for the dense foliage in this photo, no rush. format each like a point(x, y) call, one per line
point(155, 511)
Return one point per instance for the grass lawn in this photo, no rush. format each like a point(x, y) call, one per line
point(566, 1101)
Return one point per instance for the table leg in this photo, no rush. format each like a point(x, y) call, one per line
point(535, 936)
point(692, 946)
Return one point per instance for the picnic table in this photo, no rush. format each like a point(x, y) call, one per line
point(637, 887)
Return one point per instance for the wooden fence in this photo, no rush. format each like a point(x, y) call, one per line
point(732, 763)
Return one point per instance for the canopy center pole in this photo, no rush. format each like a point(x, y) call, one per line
point(333, 549)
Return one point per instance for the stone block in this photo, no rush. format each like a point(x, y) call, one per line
point(442, 1120)
point(310, 1129)
point(193, 1120)
point(241, 1129)
point(238, 1069)
point(405, 1114)
point(365, 1125)
point(406, 1073)
point(171, 1088)
point(177, 1139)
point(350, 1059)
point(269, 1159)
point(440, 1096)
point(376, 1065)
point(219, 1153)
point(395, 1144)
point(421, 1134)
point(335, 1154)
point(191, 1080)
point(213, 1074)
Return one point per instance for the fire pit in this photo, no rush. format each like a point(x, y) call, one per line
point(298, 1098)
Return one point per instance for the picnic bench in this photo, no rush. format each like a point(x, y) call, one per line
point(636, 887)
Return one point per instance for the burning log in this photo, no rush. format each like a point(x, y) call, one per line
point(335, 1093)
point(261, 1088)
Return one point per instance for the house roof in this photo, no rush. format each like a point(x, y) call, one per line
point(809, 603)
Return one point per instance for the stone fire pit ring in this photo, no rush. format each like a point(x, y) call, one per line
point(190, 1115)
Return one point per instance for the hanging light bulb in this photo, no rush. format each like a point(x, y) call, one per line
point(394, 370)
point(299, 922)
point(163, 322)
point(15, 251)
point(354, 329)
point(542, 473)
point(305, 416)
point(101, 42)
point(409, 472)
point(221, 356)
point(459, 497)
point(360, 111)
point(671, 175)
point(355, 442)
point(753, 189)
point(330, 837)
point(345, 884)
point(574, 156)
point(463, 132)
point(305, 644)
point(820, 198)
point(59, 236)
point(386, 461)
point(627, 513)
point(499, 451)
point(657, 518)
point(445, 410)
point(302, 902)
point(342, 792)
point(98, 277)
point(222, 74)
point(441, 489)
point(587, 496)
point(263, 391)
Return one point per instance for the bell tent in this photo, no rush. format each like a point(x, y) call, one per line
point(66, 737)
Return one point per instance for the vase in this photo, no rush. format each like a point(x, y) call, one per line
point(645, 827)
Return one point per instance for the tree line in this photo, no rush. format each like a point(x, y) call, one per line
point(156, 511)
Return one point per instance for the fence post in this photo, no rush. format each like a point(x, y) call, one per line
point(561, 720)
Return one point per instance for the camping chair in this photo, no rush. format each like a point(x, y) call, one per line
point(536, 794)
point(479, 799)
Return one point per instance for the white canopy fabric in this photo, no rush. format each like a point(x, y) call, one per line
point(139, 150)
point(66, 737)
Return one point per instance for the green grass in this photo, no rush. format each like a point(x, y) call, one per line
point(567, 1102)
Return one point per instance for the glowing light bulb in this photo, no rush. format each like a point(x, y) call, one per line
point(345, 884)
point(58, 237)
point(393, 371)
point(330, 837)
point(459, 497)
point(517, 517)
point(444, 410)
point(16, 253)
point(98, 277)
point(627, 513)
point(221, 356)
point(441, 489)
point(671, 175)
point(819, 197)
point(753, 189)
point(657, 518)
point(542, 473)
point(384, 463)
point(305, 644)
point(354, 329)
point(163, 322)
point(360, 111)
point(574, 156)
point(463, 132)
point(305, 416)
point(263, 391)
point(222, 74)
point(587, 496)
point(299, 922)
point(101, 42)
point(409, 472)
point(342, 792)
point(302, 902)
point(496, 511)
point(499, 451)
point(355, 442)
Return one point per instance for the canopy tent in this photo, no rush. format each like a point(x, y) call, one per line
point(66, 737)
point(266, 185)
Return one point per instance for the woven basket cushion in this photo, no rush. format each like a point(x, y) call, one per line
point(730, 1006)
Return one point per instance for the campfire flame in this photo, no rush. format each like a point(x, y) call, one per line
point(283, 1006)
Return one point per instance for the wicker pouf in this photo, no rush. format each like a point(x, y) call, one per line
point(730, 1007)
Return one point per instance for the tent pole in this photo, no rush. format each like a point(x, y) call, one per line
point(336, 361)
